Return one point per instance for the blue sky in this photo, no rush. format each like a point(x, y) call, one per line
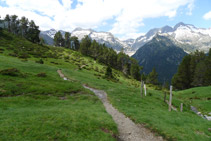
point(124, 18)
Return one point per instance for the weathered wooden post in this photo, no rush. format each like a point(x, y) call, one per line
point(142, 83)
point(145, 90)
point(170, 98)
point(181, 107)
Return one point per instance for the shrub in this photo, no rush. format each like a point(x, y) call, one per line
point(96, 69)
point(42, 74)
point(23, 55)
point(66, 57)
point(11, 72)
point(40, 61)
point(13, 54)
point(108, 73)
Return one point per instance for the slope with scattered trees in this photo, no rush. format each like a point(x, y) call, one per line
point(101, 53)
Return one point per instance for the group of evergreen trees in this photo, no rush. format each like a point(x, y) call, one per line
point(23, 27)
point(108, 56)
point(194, 70)
point(67, 41)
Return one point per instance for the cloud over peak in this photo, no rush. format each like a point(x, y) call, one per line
point(126, 16)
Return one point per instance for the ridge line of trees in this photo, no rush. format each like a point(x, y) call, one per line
point(22, 27)
point(101, 53)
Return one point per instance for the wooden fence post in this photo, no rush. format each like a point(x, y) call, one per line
point(142, 83)
point(145, 90)
point(170, 98)
point(181, 107)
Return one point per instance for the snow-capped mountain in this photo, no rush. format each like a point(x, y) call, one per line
point(129, 42)
point(48, 35)
point(186, 36)
point(101, 37)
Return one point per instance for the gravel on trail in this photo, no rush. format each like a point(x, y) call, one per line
point(128, 130)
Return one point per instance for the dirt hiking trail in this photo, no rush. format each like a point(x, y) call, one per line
point(128, 130)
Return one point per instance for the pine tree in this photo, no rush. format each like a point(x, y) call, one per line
point(1, 21)
point(33, 32)
point(74, 43)
point(24, 26)
point(196, 57)
point(7, 20)
point(108, 73)
point(85, 45)
point(58, 39)
point(152, 77)
point(14, 25)
point(183, 78)
point(208, 70)
point(199, 74)
point(67, 39)
point(135, 71)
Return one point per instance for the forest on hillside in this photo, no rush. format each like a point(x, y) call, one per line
point(194, 71)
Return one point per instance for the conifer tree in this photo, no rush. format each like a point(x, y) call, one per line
point(135, 71)
point(7, 20)
point(24, 26)
point(58, 39)
point(182, 79)
point(33, 32)
point(74, 43)
point(153, 77)
point(14, 24)
point(67, 39)
point(108, 73)
point(85, 45)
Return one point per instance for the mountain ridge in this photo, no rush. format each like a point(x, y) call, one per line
point(162, 54)
point(186, 36)
point(106, 38)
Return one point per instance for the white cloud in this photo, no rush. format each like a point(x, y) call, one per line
point(128, 15)
point(207, 16)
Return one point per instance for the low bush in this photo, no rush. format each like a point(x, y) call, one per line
point(11, 72)
point(42, 74)
point(40, 61)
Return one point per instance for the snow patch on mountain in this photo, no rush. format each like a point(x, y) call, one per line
point(186, 36)
point(101, 37)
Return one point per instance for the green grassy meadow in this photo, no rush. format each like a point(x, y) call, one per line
point(35, 107)
point(198, 97)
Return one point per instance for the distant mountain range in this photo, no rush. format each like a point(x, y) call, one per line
point(101, 37)
point(186, 36)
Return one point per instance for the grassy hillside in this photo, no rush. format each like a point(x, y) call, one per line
point(49, 108)
point(199, 97)
point(39, 107)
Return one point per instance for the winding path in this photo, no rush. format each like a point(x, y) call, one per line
point(128, 130)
